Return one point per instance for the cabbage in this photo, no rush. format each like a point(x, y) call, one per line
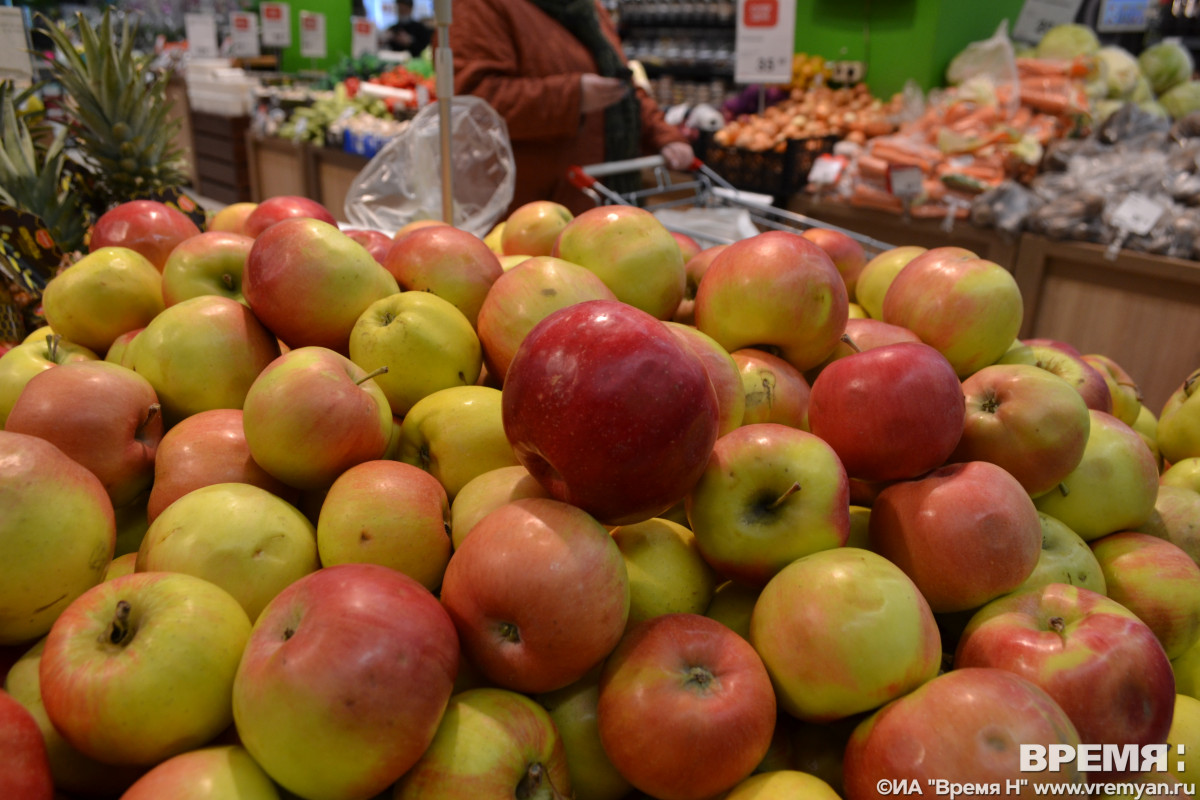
point(1181, 99)
point(1121, 71)
point(1104, 109)
point(1141, 91)
point(1153, 107)
point(1068, 41)
point(1165, 64)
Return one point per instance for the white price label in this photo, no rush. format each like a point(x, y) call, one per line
point(1039, 16)
point(1137, 214)
point(243, 34)
point(276, 22)
point(765, 41)
point(827, 169)
point(362, 37)
point(905, 181)
point(201, 33)
point(312, 34)
point(14, 45)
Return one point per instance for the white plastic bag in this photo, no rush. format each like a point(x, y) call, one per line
point(403, 182)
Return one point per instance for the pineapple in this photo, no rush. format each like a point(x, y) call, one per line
point(117, 110)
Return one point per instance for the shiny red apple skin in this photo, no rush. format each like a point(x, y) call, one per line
point(866, 334)
point(609, 411)
point(846, 252)
point(24, 768)
point(147, 226)
point(377, 243)
point(281, 207)
point(890, 413)
point(452, 263)
point(693, 270)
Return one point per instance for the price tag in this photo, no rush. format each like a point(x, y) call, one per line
point(201, 33)
point(1039, 16)
point(312, 34)
point(765, 40)
point(1137, 214)
point(906, 182)
point(276, 22)
point(243, 34)
point(827, 169)
point(362, 37)
point(14, 46)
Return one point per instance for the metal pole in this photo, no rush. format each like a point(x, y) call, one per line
point(444, 69)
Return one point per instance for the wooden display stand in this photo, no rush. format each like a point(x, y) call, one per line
point(222, 161)
point(277, 167)
point(177, 101)
point(331, 174)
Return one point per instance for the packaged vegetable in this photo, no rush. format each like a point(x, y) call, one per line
point(1121, 71)
point(1181, 99)
point(1165, 65)
point(1068, 41)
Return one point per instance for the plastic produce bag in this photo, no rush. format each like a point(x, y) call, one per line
point(984, 67)
point(403, 182)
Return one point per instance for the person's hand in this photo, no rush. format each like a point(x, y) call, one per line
point(597, 92)
point(678, 155)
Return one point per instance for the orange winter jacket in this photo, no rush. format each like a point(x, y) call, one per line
point(527, 66)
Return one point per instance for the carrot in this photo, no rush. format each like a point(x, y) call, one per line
point(872, 167)
point(1021, 117)
point(866, 196)
point(1050, 103)
point(984, 116)
point(1071, 68)
point(905, 158)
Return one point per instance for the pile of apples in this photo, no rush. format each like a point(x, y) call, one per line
point(578, 509)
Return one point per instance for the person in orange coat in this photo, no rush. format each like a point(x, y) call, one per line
point(555, 71)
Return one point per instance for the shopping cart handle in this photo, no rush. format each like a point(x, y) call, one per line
point(619, 167)
point(579, 178)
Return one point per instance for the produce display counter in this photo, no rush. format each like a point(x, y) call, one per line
point(281, 167)
point(331, 174)
point(221, 161)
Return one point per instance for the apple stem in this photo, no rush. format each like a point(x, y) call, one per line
point(509, 632)
point(532, 782)
point(227, 279)
point(791, 490)
point(1063, 490)
point(151, 413)
point(1058, 624)
point(52, 340)
point(118, 630)
point(845, 337)
point(1190, 383)
point(375, 373)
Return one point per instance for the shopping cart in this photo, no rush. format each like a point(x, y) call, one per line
point(703, 206)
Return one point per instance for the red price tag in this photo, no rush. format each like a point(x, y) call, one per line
point(760, 13)
point(310, 23)
point(272, 12)
point(363, 28)
point(827, 169)
point(904, 181)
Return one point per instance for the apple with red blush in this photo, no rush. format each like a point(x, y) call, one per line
point(148, 227)
point(281, 207)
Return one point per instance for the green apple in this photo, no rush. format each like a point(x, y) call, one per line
point(424, 341)
point(782, 785)
point(222, 772)
point(1146, 424)
point(1179, 421)
point(492, 238)
point(231, 217)
point(210, 263)
point(732, 604)
point(29, 358)
point(667, 574)
point(132, 521)
point(1184, 473)
point(240, 537)
point(860, 525)
point(1065, 558)
point(573, 710)
point(485, 493)
point(106, 293)
point(456, 434)
point(1183, 740)
point(141, 668)
point(1176, 518)
point(1126, 396)
point(532, 228)
point(877, 276)
point(121, 565)
point(1187, 671)
point(57, 535)
point(1113, 488)
point(388, 513)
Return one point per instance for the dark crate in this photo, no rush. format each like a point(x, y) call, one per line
point(780, 174)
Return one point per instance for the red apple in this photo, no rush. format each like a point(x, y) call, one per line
point(693, 270)
point(610, 411)
point(531, 229)
point(1086, 379)
point(686, 708)
point(209, 263)
point(847, 254)
point(774, 390)
point(452, 263)
point(24, 768)
point(279, 208)
point(890, 413)
point(863, 333)
point(688, 246)
point(147, 226)
point(377, 243)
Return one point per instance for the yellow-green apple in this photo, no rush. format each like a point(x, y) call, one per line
point(1065, 558)
point(722, 371)
point(597, 367)
point(423, 340)
point(732, 604)
point(1026, 420)
point(686, 708)
point(149, 227)
point(450, 262)
point(539, 594)
point(387, 513)
point(345, 678)
point(1126, 396)
point(1176, 518)
point(782, 784)
point(1179, 421)
point(877, 276)
point(769, 495)
point(693, 270)
point(203, 449)
point(844, 250)
point(530, 230)
point(773, 390)
point(855, 311)
point(1156, 580)
point(377, 243)
point(525, 295)
point(231, 218)
point(455, 435)
point(103, 415)
point(632, 252)
point(573, 710)
point(863, 334)
point(240, 537)
point(890, 413)
point(124, 564)
point(967, 725)
point(508, 262)
point(284, 207)
point(309, 283)
point(1184, 474)
point(843, 631)
point(312, 414)
point(24, 768)
point(102, 295)
point(141, 668)
point(774, 290)
point(1086, 379)
point(210, 263)
point(132, 522)
point(73, 772)
point(1113, 488)
point(201, 354)
point(57, 535)
point(965, 306)
point(667, 574)
point(1186, 669)
point(220, 772)
point(494, 237)
point(965, 533)
point(415, 225)
point(1093, 656)
point(485, 493)
point(860, 521)
point(491, 743)
point(121, 350)
point(29, 358)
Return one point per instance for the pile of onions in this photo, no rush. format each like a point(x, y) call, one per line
point(851, 113)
